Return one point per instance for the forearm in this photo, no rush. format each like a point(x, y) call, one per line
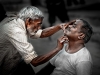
point(44, 58)
point(50, 31)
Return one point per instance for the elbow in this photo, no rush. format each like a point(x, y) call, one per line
point(34, 64)
point(43, 35)
point(38, 61)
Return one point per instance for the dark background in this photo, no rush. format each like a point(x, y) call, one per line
point(89, 11)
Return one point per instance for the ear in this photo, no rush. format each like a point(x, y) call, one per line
point(81, 36)
point(27, 22)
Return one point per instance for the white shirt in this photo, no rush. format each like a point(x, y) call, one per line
point(14, 44)
point(78, 63)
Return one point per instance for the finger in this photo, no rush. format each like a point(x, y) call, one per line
point(63, 39)
point(71, 22)
point(62, 25)
point(66, 40)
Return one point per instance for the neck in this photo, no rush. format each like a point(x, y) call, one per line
point(74, 47)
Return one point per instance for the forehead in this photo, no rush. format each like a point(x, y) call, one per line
point(78, 22)
point(38, 20)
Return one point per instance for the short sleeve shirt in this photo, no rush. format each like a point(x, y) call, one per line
point(66, 63)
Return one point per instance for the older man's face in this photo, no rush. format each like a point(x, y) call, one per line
point(33, 26)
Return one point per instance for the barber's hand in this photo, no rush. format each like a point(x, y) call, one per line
point(61, 41)
point(65, 25)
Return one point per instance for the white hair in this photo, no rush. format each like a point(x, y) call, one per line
point(30, 12)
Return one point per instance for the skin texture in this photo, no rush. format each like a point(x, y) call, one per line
point(75, 42)
point(74, 36)
point(34, 26)
point(44, 58)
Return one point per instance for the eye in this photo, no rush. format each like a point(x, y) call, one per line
point(74, 26)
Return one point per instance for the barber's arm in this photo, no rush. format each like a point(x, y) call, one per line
point(47, 31)
point(46, 57)
point(51, 30)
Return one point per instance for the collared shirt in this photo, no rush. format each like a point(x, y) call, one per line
point(14, 44)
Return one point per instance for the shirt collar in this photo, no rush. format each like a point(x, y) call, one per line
point(21, 23)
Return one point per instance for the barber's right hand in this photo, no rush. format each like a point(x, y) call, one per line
point(61, 41)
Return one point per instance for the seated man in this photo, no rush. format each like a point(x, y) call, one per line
point(74, 58)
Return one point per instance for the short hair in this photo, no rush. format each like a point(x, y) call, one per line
point(87, 30)
point(31, 12)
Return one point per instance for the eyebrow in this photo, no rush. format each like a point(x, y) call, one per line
point(74, 24)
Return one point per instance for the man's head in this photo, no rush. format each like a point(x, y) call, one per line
point(32, 17)
point(80, 30)
point(87, 30)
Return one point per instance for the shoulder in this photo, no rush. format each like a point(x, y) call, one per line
point(84, 55)
point(12, 27)
point(12, 30)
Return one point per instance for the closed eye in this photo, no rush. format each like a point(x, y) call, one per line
point(74, 26)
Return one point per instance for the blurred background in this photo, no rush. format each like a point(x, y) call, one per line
point(86, 9)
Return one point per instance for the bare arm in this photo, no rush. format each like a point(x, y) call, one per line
point(50, 31)
point(46, 57)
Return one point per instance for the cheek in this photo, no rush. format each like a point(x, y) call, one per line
point(39, 27)
point(31, 28)
point(72, 33)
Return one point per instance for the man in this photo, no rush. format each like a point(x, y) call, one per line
point(74, 58)
point(14, 45)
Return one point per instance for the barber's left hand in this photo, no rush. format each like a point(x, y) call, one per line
point(65, 25)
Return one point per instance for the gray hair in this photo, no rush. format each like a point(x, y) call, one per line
point(31, 12)
point(87, 30)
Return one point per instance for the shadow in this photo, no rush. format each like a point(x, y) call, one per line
point(2, 12)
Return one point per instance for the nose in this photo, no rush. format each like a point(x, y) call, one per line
point(70, 26)
point(35, 31)
point(39, 27)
